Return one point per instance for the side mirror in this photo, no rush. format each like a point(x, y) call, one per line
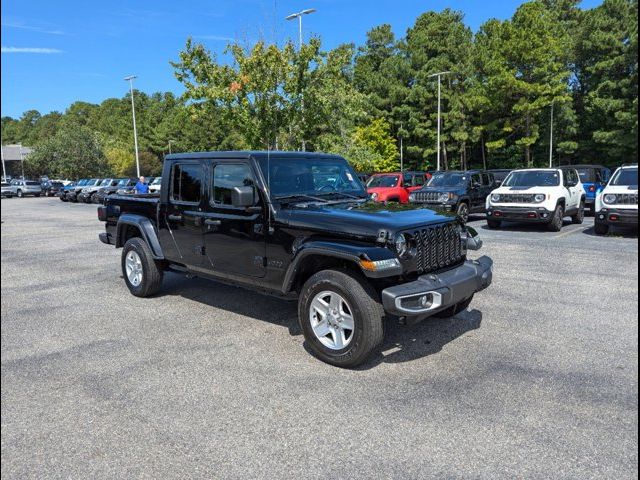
point(243, 197)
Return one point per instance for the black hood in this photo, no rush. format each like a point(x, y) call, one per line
point(361, 220)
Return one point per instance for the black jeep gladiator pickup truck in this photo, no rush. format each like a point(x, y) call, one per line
point(299, 225)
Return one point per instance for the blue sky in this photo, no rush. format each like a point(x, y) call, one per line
point(54, 53)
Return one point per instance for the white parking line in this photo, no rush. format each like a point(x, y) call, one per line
point(566, 233)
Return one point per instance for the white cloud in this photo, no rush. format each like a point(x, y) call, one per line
point(29, 50)
point(32, 28)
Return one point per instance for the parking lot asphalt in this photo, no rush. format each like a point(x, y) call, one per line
point(539, 378)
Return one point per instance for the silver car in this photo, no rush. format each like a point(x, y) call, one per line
point(22, 188)
point(7, 191)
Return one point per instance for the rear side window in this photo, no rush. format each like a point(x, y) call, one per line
point(228, 176)
point(186, 182)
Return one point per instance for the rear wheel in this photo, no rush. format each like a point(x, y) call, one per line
point(19, 194)
point(341, 317)
point(141, 272)
point(491, 223)
point(555, 225)
point(578, 218)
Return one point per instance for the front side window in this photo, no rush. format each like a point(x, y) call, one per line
point(383, 181)
point(228, 176)
point(186, 181)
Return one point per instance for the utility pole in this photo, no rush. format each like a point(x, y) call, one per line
point(130, 79)
point(551, 138)
point(21, 160)
point(401, 154)
point(439, 75)
point(299, 17)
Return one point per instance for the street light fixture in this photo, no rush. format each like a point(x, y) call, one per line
point(130, 79)
point(439, 75)
point(299, 17)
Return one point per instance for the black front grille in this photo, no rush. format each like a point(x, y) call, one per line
point(427, 197)
point(438, 246)
point(517, 198)
point(627, 199)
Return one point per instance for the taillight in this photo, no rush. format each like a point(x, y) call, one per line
point(102, 213)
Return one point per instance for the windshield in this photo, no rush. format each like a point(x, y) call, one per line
point(625, 176)
point(448, 180)
point(105, 182)
point(384, 181)
point(157, 181)
point(292, 176)
point(532, 178)
point(123, 182)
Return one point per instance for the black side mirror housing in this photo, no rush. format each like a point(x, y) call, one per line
point(243, 196)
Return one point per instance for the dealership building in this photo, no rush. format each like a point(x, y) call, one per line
point(12, 158)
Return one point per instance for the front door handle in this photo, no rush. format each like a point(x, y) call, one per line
point(175, 218)
point(213, 223)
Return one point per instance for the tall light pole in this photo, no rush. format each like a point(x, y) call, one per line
point(299, 17)
point(21, 160)
point(401, 149)
point(439, 75)
point(130, 79)
point(170, 141)
point(4, 170)
point(551, 138)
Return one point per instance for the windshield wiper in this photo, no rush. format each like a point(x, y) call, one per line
point(348, 195)
point(300, 196)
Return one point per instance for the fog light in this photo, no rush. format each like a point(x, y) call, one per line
point(545, 215)
point(426, 300)
point(601, 217)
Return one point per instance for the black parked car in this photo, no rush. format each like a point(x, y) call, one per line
point(117, 184)
point(270, 222)
point(456, 191)
point(52, 189)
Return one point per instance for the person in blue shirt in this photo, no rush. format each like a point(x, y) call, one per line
point(141, 186)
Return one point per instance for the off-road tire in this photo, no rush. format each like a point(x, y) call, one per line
point(19, 194)
point(366, 310)
point(601, 228)
point(463, 211)
point(557, 219)
point(578, 218)
point(152, 274)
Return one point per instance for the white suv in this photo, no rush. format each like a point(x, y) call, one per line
point(617, 204)
point(540, 195)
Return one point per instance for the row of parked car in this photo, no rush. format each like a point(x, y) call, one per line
point(539, 195)
point(95, 190)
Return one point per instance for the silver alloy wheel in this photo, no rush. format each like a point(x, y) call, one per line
point(133, 266)
point(331, 320)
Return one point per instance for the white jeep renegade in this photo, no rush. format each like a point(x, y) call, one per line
point(540, 195)
point(617, 204)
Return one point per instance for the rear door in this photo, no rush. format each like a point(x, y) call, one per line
point(181, 218)
point(234, 237)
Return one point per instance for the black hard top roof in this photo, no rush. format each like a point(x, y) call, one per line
point(582, 166)
point(256, 154)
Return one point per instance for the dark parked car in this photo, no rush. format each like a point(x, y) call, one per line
point(117, 184)
point(52, 189)
point(594, 178)
point(460, 192)
point(269, 222)
point(499, 174)
point(62, 194)
point(73, 193)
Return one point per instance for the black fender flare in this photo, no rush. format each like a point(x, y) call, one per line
point(351, 252)
point(147, 232)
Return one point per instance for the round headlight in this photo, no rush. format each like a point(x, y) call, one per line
point(610, 198)
point(374, 196)
point(401, 244)
point(412, 197)
point(443, 197)
point(495, 197)
point(539, 198)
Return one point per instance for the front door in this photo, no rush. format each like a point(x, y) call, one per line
point(234, 237)
point(181, 219)
point(571, 182)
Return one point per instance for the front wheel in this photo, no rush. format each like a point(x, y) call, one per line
point(555, 225)
point(19, 194)
point(601, 228)
point(463, 211)
point(578, 218)
point(341, 317)
point(140, 271)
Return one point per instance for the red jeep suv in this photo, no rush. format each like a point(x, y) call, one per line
point(395, 187)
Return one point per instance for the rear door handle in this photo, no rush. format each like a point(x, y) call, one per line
point(211, 222)
point(175, 218)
